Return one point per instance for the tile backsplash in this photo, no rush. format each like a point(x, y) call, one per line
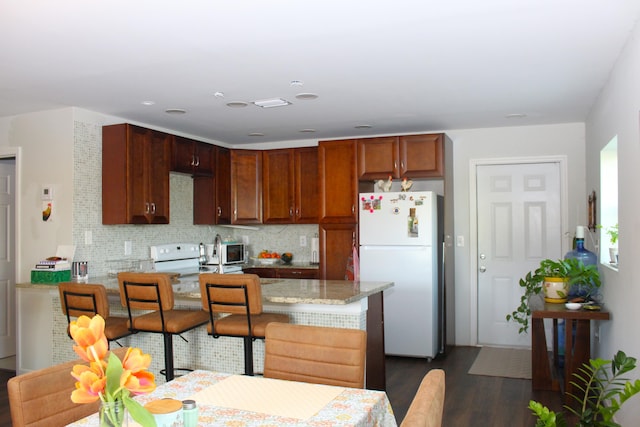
point(108, 241)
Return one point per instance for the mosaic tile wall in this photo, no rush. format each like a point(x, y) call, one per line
point(108, 240)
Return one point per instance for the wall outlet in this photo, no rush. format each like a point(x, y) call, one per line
point(88, 237)
point(245, 240)
point(127, 247)
point(303, 240)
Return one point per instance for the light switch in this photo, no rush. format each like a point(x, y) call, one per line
point(460, 241)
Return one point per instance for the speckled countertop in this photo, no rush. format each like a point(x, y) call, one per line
point(280, 291)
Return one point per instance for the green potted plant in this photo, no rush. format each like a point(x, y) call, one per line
point(613, 238)
point(602, 393)
point(566, 272)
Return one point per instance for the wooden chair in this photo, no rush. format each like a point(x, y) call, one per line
point(79, 299)
point(315, 354)
point(428, 404)
point(153, 291)
point(238, 297)
point(42, 398)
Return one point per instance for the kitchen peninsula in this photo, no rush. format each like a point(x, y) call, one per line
point(42, 335)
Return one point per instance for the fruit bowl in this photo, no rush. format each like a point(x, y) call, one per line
point(266, 261)
point(287, 257)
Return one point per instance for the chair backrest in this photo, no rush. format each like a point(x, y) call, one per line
point(315, 354)
point(79, 299)
point(428, 404)
point(231, 293)
point(42, 398)
point(146, 291)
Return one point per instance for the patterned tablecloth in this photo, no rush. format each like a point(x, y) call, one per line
point(349, 407)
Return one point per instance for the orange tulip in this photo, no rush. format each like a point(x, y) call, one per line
point(92, 344)
point(89, 385)
point(135, 360)
point(139, 383)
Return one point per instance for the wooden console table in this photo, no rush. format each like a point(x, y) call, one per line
point(577, 350)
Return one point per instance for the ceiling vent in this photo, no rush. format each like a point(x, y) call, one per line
point(270, 103)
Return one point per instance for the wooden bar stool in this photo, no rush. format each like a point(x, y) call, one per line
point(79, 299)
point(238, 297)
point(153, 291)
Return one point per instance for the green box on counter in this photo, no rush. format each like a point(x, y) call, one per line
point(49, 276)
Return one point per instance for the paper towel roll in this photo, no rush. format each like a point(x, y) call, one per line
point(315, 250)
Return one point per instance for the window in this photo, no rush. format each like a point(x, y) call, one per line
point(609, 202)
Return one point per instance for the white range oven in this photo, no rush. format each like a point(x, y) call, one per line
point(186, 259)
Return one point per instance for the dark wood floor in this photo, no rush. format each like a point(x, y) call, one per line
point(470, 400)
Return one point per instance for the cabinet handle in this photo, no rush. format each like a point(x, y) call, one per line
point(291, 212)
point(297, 212)
point(219, 211)
point(147, 208)
point(196, 160)
point(395, 165)
point(193, 160)
point(353, 209)
point(402, 165)
point(153, 208)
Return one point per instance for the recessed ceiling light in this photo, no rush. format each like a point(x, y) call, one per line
point(256, 134)
point(306, 96)
point(273, 102)
point(237, 104)
point(307, 130)
point(296, 83)
point(516, 116)
point(175, 111)
point(147, 103)
point(219, 94)
point(363, 127)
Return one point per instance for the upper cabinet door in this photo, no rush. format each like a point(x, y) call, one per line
point(421, 156)
point(212, 194)
point(135, 175)
point(246, 186)
point(338, 181)
point(192, 157)
point(306, 185)
point(378, 158)
point(278, 186)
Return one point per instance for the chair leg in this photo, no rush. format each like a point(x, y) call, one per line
point(168, 357)
point(248, 356)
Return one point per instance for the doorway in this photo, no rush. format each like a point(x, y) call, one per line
point(7, 256)
point(520, 211)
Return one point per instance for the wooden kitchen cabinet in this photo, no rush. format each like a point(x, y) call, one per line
point(135, 175)
point(297, 273)
point(282, 273)
point(263, 272)
point(192, 157)
point(410, 156)
point(336, 242)
point(290, 186)
point(212, 194)
point(246, 186)
point(338, 181)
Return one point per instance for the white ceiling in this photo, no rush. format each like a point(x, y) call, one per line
point(400, 66)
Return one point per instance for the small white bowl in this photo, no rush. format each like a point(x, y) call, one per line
point(573, 305)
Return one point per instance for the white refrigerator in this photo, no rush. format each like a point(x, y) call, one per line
point(401, 236)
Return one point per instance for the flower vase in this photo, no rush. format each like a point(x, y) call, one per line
point(113, 414)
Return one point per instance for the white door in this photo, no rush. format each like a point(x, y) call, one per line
point(7, 258)
point(519, 223)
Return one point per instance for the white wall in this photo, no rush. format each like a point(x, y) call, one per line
point(511, 142)
point(616, 113)
point(46, 139)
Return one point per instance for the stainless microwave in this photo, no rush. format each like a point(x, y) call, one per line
point(231, 253)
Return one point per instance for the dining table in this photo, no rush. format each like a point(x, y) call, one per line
point(226, 399)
